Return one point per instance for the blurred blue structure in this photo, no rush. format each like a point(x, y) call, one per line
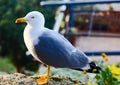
point(75, 3)
point(97, 53)
point(70, 5)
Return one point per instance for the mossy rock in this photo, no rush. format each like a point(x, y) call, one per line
point(21, 79)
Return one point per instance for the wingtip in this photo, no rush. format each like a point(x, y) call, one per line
point(94, 68)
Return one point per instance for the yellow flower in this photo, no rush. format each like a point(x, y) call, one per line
point(114, 69)
point(77, 84)
point(116, 77)
point(84, 71)
point(106, 82)
point(94, 70)
point(105, 57)
point(88, 83)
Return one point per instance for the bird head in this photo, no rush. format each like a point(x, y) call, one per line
point(32, 18)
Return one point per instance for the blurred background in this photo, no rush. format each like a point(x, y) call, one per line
point(12, 48)
point(93, 26)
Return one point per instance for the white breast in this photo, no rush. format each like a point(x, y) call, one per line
point(31, 36)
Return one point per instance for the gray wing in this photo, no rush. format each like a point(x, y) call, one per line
point(55, 50)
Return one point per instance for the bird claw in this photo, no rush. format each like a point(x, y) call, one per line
point(43, 79)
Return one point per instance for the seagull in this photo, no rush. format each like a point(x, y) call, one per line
point(52, 48)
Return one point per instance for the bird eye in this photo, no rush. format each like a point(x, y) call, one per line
point(32, 17)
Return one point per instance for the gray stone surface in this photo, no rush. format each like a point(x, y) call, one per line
point(16, 79)
point(21, 79)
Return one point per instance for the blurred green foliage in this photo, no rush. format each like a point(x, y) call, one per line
point(11, 34)
point(107, 77)
point(6, 66)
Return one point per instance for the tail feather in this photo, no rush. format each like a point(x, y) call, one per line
point(93, 68)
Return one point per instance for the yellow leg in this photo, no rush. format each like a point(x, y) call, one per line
point(44, 78)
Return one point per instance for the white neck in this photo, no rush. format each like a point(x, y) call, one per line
point(31, 34)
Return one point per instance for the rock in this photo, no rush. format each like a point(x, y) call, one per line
point(21, 79)
point(61, 80)
point(16, 79)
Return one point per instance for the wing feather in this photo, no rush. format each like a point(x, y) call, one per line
point(53, 49)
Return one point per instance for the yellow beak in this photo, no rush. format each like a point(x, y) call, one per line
point(19, 20)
